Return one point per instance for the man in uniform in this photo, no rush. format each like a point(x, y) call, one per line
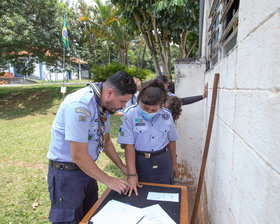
point(79, 133)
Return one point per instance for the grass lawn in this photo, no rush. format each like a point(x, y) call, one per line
point(26, 116)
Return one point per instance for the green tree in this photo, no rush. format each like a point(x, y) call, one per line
point(162, 22)
point(30, 31)
point(104, 22)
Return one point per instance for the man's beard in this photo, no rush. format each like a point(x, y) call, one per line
point(110, 111)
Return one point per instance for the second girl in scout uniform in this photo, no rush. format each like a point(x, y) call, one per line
point(149, 135)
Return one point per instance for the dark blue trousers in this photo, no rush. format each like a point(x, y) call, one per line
point(163, 174)
point(72, 194)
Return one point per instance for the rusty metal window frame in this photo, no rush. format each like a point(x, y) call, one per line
point(218, 11)
point(213, 29)
point(226, 9)
point(233, 24)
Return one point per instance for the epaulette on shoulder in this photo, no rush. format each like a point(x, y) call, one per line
point(82, 95)
point(129, 108)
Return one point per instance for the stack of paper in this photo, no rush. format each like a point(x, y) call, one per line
point(155, 215)
point(118, 213)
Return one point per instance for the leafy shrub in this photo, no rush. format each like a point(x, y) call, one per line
point(101, 73)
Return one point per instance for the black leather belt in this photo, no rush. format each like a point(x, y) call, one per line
point(151, 155)
point(148, 155)
point(64, 166)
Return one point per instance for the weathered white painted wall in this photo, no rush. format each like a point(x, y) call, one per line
point(190, 82)
point(243, 168)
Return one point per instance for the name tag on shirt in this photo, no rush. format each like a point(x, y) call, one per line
point(140, 124)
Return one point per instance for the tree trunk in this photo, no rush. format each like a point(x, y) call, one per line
point(182, 46)
point(169, 61)
point(143, 57)
point(148, 37)
point(139, 58)
point(109, 57)
point(163, 48)
point(165, 57)
point(121, 52)
point(190, 50)
point(126, 54)
point(105, 63)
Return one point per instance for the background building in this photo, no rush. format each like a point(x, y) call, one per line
point(43, 72)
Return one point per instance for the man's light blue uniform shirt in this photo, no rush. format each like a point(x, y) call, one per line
point(77, 120)
point(147, 135)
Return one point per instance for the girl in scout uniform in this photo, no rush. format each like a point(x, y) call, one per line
point(149, 135)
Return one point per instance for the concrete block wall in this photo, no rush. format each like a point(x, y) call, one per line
point(242, 174)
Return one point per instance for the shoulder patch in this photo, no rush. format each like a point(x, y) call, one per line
point(82, 118)
point(82, 110)
point(165, 116)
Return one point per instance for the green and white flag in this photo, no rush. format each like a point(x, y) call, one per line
point(64, 36)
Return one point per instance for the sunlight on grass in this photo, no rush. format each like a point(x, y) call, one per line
point(26, 116)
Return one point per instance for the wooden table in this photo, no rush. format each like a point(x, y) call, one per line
point(183, 206)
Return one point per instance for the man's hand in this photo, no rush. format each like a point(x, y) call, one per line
point(120, 186)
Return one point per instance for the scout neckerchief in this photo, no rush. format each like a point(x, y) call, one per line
point(102, 113)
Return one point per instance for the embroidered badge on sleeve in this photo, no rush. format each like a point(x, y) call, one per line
point(82, 118)
point(165, 116)
point(83, 111)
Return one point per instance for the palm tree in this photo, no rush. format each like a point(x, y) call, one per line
point(104, 21)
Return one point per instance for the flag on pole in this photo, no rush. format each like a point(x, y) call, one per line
point(64, 36)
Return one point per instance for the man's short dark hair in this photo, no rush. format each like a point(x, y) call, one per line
point(122, 82)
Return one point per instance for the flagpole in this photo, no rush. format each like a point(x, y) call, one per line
point(65, 43)
point(63, 88)
point(63, 92)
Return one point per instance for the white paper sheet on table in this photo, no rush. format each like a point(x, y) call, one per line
point(118, 213)
point(156, 196)
point(155, 215)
